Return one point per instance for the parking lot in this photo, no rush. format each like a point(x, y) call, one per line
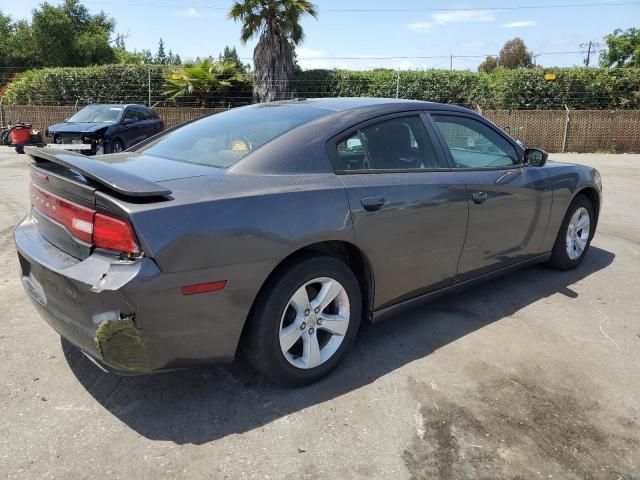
point(534, 375)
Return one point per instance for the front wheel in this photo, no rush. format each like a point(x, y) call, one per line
point(304, 321)
point(117, 146)
point(574, 237)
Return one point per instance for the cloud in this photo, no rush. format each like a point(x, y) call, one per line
point(188, 12)
point(520, 24)
point(463, 16)
point(419, 26)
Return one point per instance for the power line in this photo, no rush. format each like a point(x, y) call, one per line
point(397, 57)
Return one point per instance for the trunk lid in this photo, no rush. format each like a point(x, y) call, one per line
point(74, 180)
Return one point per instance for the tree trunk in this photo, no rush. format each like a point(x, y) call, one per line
point(273, 65)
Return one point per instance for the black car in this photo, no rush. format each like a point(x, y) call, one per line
point(279, 227)
point(98, 128)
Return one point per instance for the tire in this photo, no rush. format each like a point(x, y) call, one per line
point(561, 258)
point(281, 311)
point(117, 146)
point(20, 149)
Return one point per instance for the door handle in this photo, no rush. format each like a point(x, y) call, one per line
point(372, 203)
point(479, 197)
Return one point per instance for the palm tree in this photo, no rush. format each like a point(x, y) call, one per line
point(202, 79)
point(277, 23)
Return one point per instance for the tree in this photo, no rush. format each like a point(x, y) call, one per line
point(231, 55)
point(161, 56)
point(623, 49)
point(65, 35)
point(201, 80)
point(16, 44)
point(514, 54)
point(277, 24)
point(126, 57)
point(488, 65)
point(119, 42)
point(147, 57)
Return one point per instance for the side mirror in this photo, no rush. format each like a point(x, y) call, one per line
point(127, 121)
point(534, 157)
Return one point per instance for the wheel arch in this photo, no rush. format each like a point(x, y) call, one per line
point(353, 256)
point(592, 194)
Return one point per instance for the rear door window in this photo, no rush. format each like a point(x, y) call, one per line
point(400, 143)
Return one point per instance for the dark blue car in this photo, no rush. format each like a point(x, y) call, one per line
point(98, 129)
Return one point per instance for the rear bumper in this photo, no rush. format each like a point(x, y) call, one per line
point(128, 315)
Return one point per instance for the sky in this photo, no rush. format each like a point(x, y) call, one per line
point(468, 30)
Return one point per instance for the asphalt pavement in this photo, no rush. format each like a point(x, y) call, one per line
point(533, 375)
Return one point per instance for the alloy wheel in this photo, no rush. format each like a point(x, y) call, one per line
point(314, 323)
point(578, 233)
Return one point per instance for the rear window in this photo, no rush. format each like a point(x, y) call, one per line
point(222, 139)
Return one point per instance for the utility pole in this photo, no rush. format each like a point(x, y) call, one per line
point(591, 47)
point(451, 62)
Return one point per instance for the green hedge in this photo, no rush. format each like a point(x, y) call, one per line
point(579, 88)
point(103, 84)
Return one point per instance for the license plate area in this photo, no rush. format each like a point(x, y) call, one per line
point(70, 146)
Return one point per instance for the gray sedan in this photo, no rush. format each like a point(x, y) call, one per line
point(279, 227)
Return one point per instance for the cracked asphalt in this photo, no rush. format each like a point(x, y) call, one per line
point(534, 375)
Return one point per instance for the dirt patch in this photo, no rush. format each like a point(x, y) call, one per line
point(510, 427)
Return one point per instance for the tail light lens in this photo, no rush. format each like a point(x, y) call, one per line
point(113, 234)
point(84, 223)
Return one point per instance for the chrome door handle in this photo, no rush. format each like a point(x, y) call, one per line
point(372, 203)
point(479, 197)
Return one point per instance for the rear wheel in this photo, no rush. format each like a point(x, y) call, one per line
point(574, 237)
point(304, 321)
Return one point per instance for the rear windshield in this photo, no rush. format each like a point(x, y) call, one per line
point(97, 114)
point(222, 139)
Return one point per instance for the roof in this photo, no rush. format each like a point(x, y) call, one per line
point(341, 104)
point(123, 105)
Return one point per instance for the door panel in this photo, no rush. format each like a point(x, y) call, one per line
point(509, 203)
point(415, 238)
point(507, 218)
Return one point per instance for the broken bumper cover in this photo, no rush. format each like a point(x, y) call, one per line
point(127, 315)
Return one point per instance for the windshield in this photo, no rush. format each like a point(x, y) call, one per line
point(222, 139)
point(97, 114)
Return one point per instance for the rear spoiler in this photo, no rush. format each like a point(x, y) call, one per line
point(103, 173)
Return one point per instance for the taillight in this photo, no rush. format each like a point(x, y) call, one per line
point(77, 219)
point(84, 223)
point(113, 234)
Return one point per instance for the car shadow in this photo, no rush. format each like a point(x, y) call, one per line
point(201, 405)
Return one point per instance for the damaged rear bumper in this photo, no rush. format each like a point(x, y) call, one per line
point(127, 315)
